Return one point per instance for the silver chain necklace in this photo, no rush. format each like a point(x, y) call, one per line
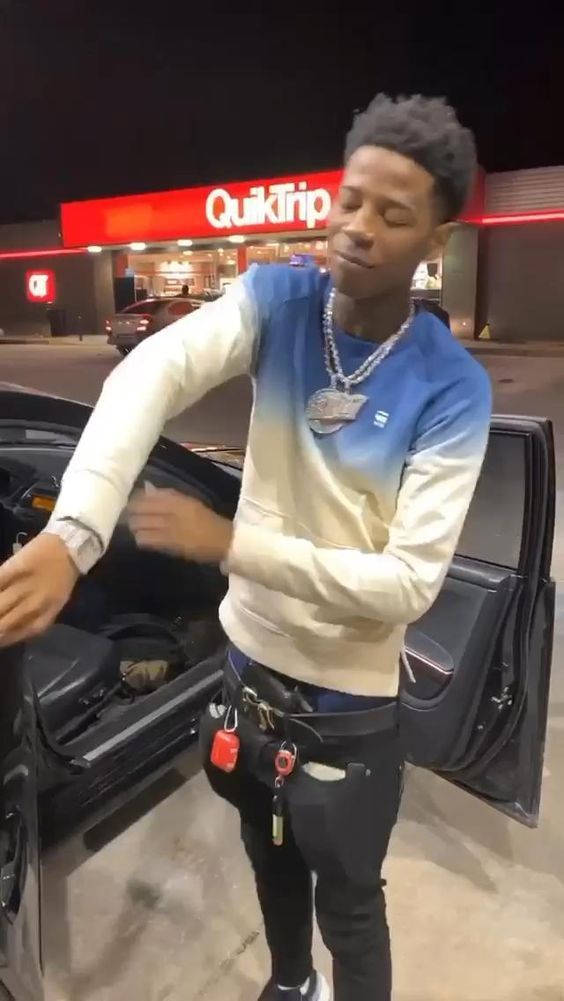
point(330, 409)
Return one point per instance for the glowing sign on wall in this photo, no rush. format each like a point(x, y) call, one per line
point(40, 286)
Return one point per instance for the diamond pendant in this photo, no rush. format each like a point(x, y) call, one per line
point(328, 410)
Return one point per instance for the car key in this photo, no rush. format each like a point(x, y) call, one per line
point(284, 764)
point(278, 813)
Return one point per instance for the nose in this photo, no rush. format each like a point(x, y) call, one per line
point(360, 228)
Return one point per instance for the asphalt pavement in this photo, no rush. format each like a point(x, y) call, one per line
point(78, 371)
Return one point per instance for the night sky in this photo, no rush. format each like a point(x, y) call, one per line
point(100, 98)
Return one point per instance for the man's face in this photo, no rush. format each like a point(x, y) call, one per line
point(384, 222)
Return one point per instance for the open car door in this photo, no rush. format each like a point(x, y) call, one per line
point(475, 709)
point(100, 741)
point(20, 952)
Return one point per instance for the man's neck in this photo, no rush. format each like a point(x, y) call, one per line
point(372, 319)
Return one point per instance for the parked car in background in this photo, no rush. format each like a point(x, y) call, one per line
point(127, 329)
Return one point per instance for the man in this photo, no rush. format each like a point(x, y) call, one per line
point(368, 433)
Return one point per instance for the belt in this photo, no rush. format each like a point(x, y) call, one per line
point(348, 724)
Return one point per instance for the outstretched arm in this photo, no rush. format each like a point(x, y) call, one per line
point(163, 376)
point(159, 379)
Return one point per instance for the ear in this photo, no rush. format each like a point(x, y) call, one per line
point(439, 239)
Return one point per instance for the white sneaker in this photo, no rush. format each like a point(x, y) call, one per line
point(316, 989)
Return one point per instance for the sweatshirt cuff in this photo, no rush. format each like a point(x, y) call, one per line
point(90, 500)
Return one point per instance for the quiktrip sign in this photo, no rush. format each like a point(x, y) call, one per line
point(287, 204)
point(292, 205)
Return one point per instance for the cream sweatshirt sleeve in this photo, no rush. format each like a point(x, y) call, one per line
point(401, 583)
point(167, 373)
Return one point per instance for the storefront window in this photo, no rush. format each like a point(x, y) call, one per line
point(297, 253)
point(428, 280)
point(167, 272)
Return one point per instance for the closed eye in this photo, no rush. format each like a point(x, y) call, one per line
point(395, 221)
point(350, 204)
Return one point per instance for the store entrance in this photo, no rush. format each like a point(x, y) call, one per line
point(196, 270)
point(177, 270)
point(173, 272)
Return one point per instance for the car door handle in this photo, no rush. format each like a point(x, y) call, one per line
point(13, 867)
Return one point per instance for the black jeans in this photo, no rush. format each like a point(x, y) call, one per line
point(338, 829)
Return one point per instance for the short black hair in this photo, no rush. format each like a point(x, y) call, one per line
point(426, 130)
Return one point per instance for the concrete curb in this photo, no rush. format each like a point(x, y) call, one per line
point(542, 350)
point(89, 340)
point(35, 342)
point(519, 350)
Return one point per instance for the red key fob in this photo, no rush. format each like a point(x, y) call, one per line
point(285, 761)
point(225, 750)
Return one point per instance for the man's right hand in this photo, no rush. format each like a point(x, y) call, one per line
point(35, 584)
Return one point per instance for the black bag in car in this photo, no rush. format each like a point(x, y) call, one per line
point(77, 673)
point(74, 674)
point(151, 651)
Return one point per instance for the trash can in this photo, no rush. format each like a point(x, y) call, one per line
point(57, 317)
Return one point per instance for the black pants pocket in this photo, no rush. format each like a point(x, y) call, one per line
point(343, 826)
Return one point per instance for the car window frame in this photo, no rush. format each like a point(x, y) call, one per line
point(503, 426)
point(520, 544)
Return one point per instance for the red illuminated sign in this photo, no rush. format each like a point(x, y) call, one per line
point(551, 215)
point(283, 204)
point(40, 286)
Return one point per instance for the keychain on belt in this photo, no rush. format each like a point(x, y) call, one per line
point(284, 764)
point(226, 744)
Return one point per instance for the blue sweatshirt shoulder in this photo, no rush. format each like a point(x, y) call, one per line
point(460, 397)
point(271, 285)
point(444, 356)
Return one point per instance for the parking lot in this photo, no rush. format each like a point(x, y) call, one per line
point(158, 903)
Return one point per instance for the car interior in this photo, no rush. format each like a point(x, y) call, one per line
point(138, 649)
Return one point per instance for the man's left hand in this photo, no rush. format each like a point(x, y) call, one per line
point(180, 525)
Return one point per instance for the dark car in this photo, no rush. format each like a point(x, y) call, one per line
point(127, 329)
point(474, 710)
